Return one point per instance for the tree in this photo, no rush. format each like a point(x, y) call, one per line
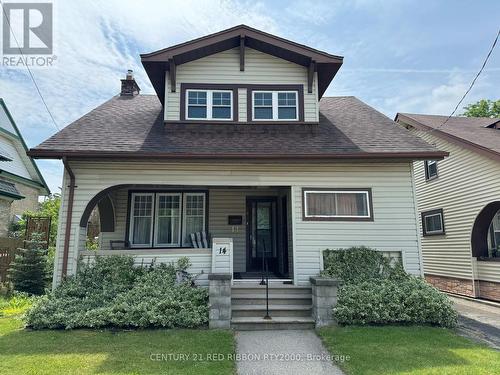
point(483, 108)
point(28, 271)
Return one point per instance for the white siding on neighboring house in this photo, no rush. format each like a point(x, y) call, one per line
point(394, 227)
point(16, 165)
point(224, 67)
point(466, 183)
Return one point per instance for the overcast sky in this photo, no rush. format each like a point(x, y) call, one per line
point(399, 56)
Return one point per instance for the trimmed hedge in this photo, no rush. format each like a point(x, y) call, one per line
point(112, 292)
point(378, 291)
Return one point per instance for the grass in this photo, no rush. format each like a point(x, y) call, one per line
point(109, 352)
point(408, 350)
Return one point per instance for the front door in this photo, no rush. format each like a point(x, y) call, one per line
point(262, 243)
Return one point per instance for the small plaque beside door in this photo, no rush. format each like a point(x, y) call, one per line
point(234, 220)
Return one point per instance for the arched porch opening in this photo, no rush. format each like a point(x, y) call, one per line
point(485, 238)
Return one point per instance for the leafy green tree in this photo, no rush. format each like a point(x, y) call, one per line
point(483, 108)
point(28, 271)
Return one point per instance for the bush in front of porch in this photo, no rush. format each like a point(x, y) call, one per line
point(112, 292)
point(378, 291)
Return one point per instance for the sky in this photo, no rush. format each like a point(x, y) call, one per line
point(399, 56)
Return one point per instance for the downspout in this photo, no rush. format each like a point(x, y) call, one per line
point(69, 214)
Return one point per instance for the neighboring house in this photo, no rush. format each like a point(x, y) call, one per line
point(21, 183)
point(459, 203)
point(238, 143)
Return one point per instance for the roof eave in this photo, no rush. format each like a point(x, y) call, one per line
point(419, 155)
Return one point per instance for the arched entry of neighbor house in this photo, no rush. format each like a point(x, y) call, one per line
point(481, 238)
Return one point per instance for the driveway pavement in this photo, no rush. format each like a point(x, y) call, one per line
point(479, 321)
point(282, 352)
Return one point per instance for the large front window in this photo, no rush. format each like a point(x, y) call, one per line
point(275, 105)
point(337, 204)
point(166, 219)
point(209, 105)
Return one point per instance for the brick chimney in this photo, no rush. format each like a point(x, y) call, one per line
point(129, 85)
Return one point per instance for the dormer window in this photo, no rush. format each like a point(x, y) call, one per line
point(209, 105)
point(275, 105)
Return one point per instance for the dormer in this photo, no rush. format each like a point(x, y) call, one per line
point(240, 75)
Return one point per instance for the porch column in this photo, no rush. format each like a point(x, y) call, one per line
point(324, 298)
point(219, 291)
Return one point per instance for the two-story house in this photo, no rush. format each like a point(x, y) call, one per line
point(238, 143)
point(21, 182)
point(459, 203)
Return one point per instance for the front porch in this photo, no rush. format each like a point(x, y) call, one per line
point(155, 223)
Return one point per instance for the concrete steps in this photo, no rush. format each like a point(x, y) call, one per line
point(290, 307)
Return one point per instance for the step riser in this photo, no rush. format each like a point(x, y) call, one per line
point(271, 291)
point(274, 313)
point(270, 326)
point(273, 301)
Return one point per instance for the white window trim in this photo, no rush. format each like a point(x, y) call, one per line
point(132, 219)
point(156, 217)
point(365, 192)
point(427, 165)
point(275, 105)
point(184, 210)
point(440, 231)
point(209, 105)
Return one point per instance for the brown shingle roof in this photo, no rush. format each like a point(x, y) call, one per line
point(134, 127)
point(478, 131)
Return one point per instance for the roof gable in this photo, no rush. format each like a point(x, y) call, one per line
point(14, 149)
point(156, 63)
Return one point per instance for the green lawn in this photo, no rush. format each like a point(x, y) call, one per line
point(111, 352)
point(409, 350)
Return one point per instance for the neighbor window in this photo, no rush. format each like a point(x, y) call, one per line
point(209, 105)
point(432, 222)
point(166, 219)
point(430, 169)
point(337, 204)
point(275, 105)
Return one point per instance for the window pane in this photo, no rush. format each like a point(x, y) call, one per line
point(263, 113)
point(194, 215)
point(142, 231)
point(287, 98)
point(197, 112)
point(221, 112)
point(168, 217)
point(431, 169)
point(142, 219)
point(197, 97)
point(337, 204)
point(263, 99)
point(287, 113)
point(433, 223)
point(221, 98)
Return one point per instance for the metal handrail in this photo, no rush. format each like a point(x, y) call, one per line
point(265, 272)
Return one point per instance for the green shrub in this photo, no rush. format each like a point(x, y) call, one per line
point(358, 264)
point(410, 301)
point(378, 291)
point(28, 271)
point(111, 292)
point(16, 303)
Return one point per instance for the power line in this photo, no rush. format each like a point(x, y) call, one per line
point(29, 70)
point(472, 83)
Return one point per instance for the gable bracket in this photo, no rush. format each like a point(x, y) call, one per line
point(310, 76)
point(172, 67)
point(242, 53)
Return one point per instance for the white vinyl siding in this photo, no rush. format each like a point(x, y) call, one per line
point(467, 182)
point(16, 165)
point(394, 227)
point(224, 68)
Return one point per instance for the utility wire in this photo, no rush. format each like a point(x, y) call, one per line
point(29, 70)
point(472, 83)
